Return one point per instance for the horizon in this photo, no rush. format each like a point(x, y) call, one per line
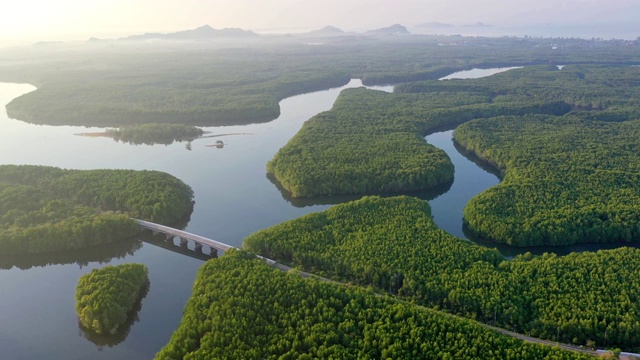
point(32, 21)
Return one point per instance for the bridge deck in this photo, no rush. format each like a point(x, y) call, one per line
point(201, 240)
point(184, 235)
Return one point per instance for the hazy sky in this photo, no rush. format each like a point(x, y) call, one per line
point(79, 19)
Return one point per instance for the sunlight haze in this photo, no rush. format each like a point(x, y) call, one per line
point(43, 20)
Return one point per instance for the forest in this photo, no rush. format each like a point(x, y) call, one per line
point(92, 85)
point(372, 142)
point(46, 209)
point(393, 245)
point(566, 180)
point(385, 131)
point(570, 179)
point(106, 296)
point(154, 133)
point(242, 309)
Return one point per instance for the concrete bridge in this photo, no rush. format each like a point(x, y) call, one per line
point(184, 237)
point(198, 240)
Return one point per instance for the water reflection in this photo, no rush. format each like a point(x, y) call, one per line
point(428, 195)
point(481, 163)
point(111, 340)
point(161, 240)
point(101, 254)
point(510, 252)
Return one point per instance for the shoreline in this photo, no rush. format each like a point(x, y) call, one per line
point(109, 135)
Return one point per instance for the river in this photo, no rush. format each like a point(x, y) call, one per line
point(233, 197)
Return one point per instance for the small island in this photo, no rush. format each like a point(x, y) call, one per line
point(151, 134)
point(155, 133)
point(104, 297)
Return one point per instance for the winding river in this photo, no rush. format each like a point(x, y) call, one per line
point(233, 199)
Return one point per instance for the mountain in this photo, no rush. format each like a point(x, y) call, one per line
point(205, 32)
point(327, 30)
point(396, 29)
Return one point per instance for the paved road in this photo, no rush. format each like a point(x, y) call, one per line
point(540, 341)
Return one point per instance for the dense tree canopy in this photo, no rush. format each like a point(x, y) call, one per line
point(606, 93)
point(104, 297)
point(567, 180)
point(393, 245)
point(242, 309)
point(46, 209)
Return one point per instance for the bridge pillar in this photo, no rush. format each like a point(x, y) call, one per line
point(214, 253)
point(169, 237)
point(198, 247)
point(183, 242)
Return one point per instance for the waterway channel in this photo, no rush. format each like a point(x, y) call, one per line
point(233, 197)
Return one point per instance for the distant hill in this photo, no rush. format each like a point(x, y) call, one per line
point(328, 30)
point(435, 24)
point(396, 29)
point(478, 24)
point(205, 32)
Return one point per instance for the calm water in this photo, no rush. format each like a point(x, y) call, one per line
point(233, 199)
point(469, 180)
point(477, 73)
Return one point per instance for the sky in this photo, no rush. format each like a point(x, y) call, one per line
point(48, 20)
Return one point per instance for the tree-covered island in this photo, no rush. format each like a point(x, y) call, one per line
point(47, 209)
point(153, 133)
point(106, 296)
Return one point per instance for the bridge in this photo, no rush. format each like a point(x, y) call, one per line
point(184, 237)
point(198, 240)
